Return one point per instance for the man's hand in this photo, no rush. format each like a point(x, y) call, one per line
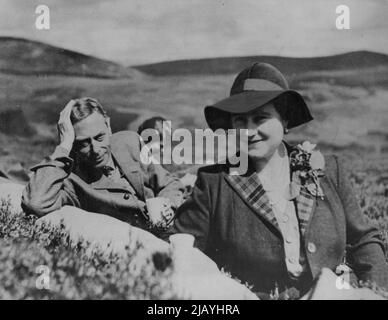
point(65, 127)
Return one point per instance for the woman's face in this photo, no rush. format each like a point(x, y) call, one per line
point(265, 129)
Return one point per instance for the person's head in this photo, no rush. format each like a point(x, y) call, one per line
point(260, 101)
point(265, 128)
point(157, 124)
point(152, 123)
point(92, 132)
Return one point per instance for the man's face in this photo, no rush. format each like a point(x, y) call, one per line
point(160, 128)
point(265, 129)
point(92, 140)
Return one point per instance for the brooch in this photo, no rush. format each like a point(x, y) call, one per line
point(307, 167)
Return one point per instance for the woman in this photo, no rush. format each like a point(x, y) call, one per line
point(292, 213)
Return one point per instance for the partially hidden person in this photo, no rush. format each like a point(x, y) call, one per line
point(161, 125)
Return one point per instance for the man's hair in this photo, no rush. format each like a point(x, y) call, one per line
point(84, 107)
point(150, 124)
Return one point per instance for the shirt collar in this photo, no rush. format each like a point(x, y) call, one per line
point(110, 164)
point(276, 175)
point(109, 167)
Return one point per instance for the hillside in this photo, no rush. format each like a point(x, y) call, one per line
point(216, 66)
point(348, 95)
point(21, 56)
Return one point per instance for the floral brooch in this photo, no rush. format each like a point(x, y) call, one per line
point(307, 167)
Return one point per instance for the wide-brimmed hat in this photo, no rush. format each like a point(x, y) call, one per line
point(254, 87)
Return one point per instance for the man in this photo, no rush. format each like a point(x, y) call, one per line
point(98, 171)
point(162, 127)
point(154, 123)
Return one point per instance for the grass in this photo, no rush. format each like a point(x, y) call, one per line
point(74, 271)
point(372, 193)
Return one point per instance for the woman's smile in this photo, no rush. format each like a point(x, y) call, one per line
point(254, 141)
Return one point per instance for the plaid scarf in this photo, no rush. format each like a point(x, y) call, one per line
point(252, 192)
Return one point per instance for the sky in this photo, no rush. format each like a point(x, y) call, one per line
point(135, 32)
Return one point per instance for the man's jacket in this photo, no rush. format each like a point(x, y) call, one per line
point(57, 182)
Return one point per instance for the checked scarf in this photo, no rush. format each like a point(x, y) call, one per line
point(252, 192)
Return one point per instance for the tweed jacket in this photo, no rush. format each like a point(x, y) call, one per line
point(233, 223)
point(58, 182)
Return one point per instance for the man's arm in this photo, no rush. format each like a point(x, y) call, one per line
point(365, 251)
point(48, 189)
point(165, 184)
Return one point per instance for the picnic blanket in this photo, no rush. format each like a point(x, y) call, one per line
point(195, 275)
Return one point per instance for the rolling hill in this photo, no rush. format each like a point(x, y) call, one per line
point(290, 66)
point(21, 56)
point(348, 95)
point(27, 57)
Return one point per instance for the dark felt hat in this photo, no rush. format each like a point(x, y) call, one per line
point(254, 87)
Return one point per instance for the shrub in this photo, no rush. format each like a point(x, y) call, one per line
point(74, 271)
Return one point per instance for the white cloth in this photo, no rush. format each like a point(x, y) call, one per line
point(195, 276)
point(105, 232)
point(332, 287)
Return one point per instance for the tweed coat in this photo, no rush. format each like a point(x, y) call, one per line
point(233, 223)
point(58, 182)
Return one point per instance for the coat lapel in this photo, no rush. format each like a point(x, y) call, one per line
point(135, 178)
point(251, 191)
point(129, 166)
point(304, 202)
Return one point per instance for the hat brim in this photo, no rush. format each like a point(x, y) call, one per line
point(218, 115)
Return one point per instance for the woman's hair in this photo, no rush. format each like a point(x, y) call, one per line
point(84, 107)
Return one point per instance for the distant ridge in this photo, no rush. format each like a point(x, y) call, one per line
point(22, 56)
point(28, 57)
point(289, 66)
